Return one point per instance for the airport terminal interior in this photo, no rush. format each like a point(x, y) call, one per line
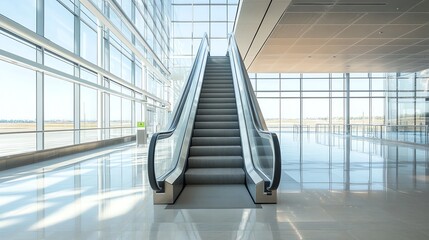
point(214, 119)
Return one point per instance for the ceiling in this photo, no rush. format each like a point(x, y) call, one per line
point(344, 36)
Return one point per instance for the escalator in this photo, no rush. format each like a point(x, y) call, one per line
point(217, 143)
point(215, 154)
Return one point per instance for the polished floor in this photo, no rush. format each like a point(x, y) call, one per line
point(332, 188)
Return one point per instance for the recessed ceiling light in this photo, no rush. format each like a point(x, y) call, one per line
point(361, 4)
point(338, 4)
point(380, 32)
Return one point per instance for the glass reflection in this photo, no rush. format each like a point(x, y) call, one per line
point(336, 162)
point(72, 194)
point(60, 31)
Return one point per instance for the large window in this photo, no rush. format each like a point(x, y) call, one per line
point(359, 111)
point(337, 111)
point(88, 39)
point(22, 12)
point(407, 99)
point(310, 100)
point(88, 114)
point(270, 109)
point(315, 111)
point(377, 111)
point(17, 46)
point(17, 98)
point(66, 100)
point(60, 30)
point(126, 117)
point(191, 19)
point(58, 112)
point(115, 116)
point(17, 108)
point(290, 112)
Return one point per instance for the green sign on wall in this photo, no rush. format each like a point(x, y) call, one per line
point(140, 125)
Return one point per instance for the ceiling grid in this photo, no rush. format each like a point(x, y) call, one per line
point(348, 36)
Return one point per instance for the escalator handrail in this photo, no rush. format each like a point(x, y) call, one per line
point(257, 117)
point(176, 117)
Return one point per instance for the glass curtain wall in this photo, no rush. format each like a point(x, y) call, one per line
point(408, 101)
point(388, 106)
point(312, 100)
point(193, 18)
point(94, 80)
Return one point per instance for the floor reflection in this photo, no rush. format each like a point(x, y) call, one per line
point(332, 187)
point(336, 162)
point(99, 191)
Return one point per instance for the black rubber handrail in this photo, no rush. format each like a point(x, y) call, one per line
point(155, 185)
point(258, 119)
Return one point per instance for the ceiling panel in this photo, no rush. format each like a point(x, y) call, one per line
point(377, 18)
point(280, 41)
point(311, 41)
point(413, 50)
point(343, 41)
point(367, 57)
point(330, 49)
point(300, 18)
point(289, 30)
point(347, 35)
point(393, 31)
point(323, 31)
point(422, 41)
point(358, 31)
point(339, 18)
point(421, 32)
point(302, 49)
point(374, 41)
point(358, 49)
point(386, 49)
point(276, 48)
point(406, 42)
point(412, 18)
point(421, 7)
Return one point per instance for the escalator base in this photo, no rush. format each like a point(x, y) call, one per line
point(231, 196)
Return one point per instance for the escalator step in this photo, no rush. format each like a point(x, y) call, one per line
point(217, 81)
point(224, 67)
point(215, 151)
point(217, 74)
point(214, 72)
point(220, 95)
point(215, 162)
point(218, 60)
point(213, 141)
point(216, 125)
point(213, 68)
point(216, 133)
point(217, 106)
point(215, 176)
point(217, 111)
point(217, 85)
point(222, 118)
point(217, 90)
point(217, 100)
point(225, 75)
